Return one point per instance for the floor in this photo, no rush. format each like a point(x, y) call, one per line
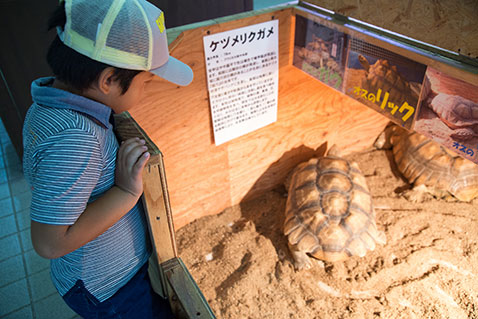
point(26, 290)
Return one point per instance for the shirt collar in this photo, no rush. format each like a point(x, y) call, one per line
point(44, 94)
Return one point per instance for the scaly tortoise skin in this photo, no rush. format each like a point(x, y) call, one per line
point(458, 113)
point(382, 75)
point(329, 212)
point(433, 168)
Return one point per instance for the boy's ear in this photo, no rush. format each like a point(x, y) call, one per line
point(106, 80)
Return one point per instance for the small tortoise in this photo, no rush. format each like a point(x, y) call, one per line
point(432, 168)
point(329, 212)
point(458, 113)
point(316, 52)
point(382, 75)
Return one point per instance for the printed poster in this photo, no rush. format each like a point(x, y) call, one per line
point(383, 80)
point(242, 68)
point(448, 113)
point(320, 51)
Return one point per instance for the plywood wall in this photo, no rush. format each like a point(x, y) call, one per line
point(449, 24)
point(203, 178)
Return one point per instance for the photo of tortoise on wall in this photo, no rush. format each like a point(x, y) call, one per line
point(449, 113)
point(320, 52)
point(383, 80)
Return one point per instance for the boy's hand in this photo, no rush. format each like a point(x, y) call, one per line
point(131, 159)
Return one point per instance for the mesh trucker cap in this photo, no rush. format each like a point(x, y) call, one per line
point(128, 34)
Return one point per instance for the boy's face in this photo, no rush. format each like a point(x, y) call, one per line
point(128, 100)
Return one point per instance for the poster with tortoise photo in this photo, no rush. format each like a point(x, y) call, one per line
point(449, 113)
point(383, 80)
point(320, 52)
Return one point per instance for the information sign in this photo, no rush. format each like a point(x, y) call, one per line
point(383, 80)
point(448, 113)
point(242, 75)
point(320, 51)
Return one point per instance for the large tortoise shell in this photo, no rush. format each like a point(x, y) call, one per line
point(329, 212)
point(455, 110)
point(425, 162)
point(382, 75)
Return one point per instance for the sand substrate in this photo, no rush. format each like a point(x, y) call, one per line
point(427, 269)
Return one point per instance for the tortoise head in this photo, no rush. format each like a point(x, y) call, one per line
point(363, 61)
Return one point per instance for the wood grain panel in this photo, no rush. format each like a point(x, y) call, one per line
point(310, 115)
point(449, 24)
point(203, 178)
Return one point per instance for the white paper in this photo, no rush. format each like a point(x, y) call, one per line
point(242, 68)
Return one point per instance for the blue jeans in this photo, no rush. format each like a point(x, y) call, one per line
point(136, 299)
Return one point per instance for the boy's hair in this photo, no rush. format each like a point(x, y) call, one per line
point(76, 69)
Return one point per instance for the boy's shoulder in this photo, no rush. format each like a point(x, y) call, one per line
point(47, 121)
point(50, 130)
point(54, 111)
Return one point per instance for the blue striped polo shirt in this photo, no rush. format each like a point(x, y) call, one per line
point(69, 160)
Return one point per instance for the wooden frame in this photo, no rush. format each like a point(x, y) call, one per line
point(204, 179)
point(169, 276)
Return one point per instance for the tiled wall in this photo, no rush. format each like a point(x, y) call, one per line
point(26, 290)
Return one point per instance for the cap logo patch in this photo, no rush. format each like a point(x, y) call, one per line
point(160, 22)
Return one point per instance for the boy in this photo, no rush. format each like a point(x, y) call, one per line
point(85, 212)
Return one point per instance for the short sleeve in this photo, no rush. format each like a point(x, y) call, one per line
point(66, 169)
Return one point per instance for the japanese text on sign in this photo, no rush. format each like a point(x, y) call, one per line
point(242, 75)
point(239, 39)
point(463, 148)
point(375, 98)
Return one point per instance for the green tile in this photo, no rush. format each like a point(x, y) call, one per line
point(19, 186)
point(4, 138)
point(41, 285)
point(4, 191)
point(9, 246)
point(14, 171)
point(11, 270)
point(52, 307)
point(6, 207)
point(35, 263)
point(8, 225)
point(7, 147)
point(22, 201)
point(24, 313)
point(23, 219)
point(13, 297)
point(261, 4)
point(11, 158)
point(26, 240)
point(3, 175)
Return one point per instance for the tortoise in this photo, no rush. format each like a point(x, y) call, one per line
point(318, 44)
point(313, 57)
point(382, 75)
point(329, 211)
point(458, 113)
point(316, 52)
point(432, 168)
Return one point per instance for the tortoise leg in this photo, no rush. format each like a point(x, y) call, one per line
point(420, 193)
point(462, 134)
point(301, 260)
point(417, 194)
